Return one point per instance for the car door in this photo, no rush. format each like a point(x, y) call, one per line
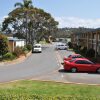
point(83, 65)
point(89, 66)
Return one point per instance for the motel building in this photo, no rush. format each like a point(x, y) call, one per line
point(89, 40)
point(15, 42)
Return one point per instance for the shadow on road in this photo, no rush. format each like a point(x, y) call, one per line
point(63, 71)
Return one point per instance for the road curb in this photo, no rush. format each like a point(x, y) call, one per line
point(73, 83)
point(67, 82)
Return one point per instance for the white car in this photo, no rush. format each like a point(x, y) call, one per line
point(61, 46)
point(37, 48)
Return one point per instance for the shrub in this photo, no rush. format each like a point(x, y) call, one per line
point(18, 51)
point(90, 53)
point(75, 47)
point(24, 49)
point(70, 45)
point(3, 44)
point(8, 56)
point(83, 50)
point(29, 47)
point(94, 59)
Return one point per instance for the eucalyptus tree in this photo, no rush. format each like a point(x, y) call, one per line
point(30, 22)
point(14, 21)
point(44, 23)
point(0, 28)
point(25, 6)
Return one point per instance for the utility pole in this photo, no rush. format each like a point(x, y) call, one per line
point(32, 41)
point(96, 44)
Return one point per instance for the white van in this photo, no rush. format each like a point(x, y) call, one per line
point(37, 48)
point(61, 46)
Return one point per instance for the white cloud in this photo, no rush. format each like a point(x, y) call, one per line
point(0, 20)
point(73, 22)
point(77, 22)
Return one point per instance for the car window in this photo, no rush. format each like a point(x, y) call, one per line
point(72, 60)
point(74, 56)
point(37, 46)
point(62, 45)
point(87, 62)
point(78, 62)
point(69, 55)
point(79, 56)
point(83, 62)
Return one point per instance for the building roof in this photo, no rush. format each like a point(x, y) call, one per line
point(15, 39)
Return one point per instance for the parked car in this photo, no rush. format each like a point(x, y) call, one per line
point(61, 46)
point(73, 56)
point(37, 48)
point(81, 64)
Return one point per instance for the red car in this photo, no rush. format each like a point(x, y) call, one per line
point(70, 57)
point(81, 64)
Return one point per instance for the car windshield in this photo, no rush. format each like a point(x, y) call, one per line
point(69, 55)
point(72, 60)
point(37, 46)
point(78, 56)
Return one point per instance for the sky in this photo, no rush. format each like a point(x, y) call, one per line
point(69, 13)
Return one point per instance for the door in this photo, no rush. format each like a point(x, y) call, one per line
point(84, 65)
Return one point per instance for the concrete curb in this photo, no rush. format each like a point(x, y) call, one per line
point(73, 83)
point(16, 61)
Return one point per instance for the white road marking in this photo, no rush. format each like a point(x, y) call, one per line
point(59, 60)
point(62, 75)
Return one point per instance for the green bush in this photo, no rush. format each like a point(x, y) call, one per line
point(83, 50)
point(70, 45)
point(18, 51)
point(3, 44)
point(8, 56)
point(90, 53)
point(24, 49)
point(29, 47)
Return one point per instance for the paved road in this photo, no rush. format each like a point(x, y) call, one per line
point(45, 66)
point(38, 64)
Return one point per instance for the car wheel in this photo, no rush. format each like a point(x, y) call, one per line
point(98, 70)
point(73, 70)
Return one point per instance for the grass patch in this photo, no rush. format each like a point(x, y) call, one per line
point(27, 90)
point(43, 42)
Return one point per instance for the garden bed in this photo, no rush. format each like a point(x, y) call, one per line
point(16, 60)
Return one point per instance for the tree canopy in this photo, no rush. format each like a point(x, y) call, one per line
point(3, 45)
point(28, 22)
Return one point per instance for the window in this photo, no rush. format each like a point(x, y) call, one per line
point(77, 56)
point(72, 60)
point(87, 62)
point(83, 62)
point(37, 46)
point(69, 55)
point(78, 62)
